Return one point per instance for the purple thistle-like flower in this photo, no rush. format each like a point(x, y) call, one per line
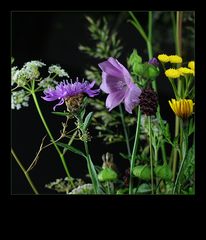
point(154, 62)
point(64, 90)
point(117, 82)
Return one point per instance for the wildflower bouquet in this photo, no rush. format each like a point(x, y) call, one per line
point(118, 103)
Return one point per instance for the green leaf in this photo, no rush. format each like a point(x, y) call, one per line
point(64, 114)
point(93, 175)
point(82, 114)
point(191, 127)
point(70, 148)
point(87, 120)
point(144, 188)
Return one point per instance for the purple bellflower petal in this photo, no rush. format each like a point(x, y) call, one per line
point(117, 82)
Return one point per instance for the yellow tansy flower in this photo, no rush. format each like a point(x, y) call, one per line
point(172, 73)
point(191, 65)
point(185, 70)
point(175, 59)
point(163, 58)
point(183, 108)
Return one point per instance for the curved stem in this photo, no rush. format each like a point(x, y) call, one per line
point(151, 157)
point(51, 137)
point(134, 151)
point(25, 172)
point(125, 131)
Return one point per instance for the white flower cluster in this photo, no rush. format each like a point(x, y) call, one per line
point(28, 72)
point(48, 82)
point(83, 189)
point(58, 70)
point(19, 99)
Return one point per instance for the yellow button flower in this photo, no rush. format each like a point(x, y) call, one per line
point(163, 58)
point(185, 70)
point(175, 59)
point(183, 108)
point(191, 65)
point(172, 73)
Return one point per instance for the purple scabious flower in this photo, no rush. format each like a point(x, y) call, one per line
point(154, 62)
point(65, 90)
point(117, 82)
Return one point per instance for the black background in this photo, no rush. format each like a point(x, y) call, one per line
point(53, 38)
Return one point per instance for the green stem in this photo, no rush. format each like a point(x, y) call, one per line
point(151, 157)
point(70, 141)
point(164, 156)
point(178, 52)
point(132, 162)
point(51, 137)
point(138, 26)
point(125, 130)
point(108, 188)
point(174, 88)
point(174, 30)
point(25, 172)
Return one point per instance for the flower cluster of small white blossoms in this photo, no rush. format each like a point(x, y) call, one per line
point(30, 71)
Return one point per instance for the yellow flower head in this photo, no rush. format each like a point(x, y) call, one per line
point(163, 58)
point(172, 73)
point(185, 71)
point(182, 108)
point(175, 59)
point(191, 65)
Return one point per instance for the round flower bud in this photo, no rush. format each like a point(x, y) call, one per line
point(150, 71)
point(138, 68)
point(163, 172)
point(142, 172)
point(107, 174)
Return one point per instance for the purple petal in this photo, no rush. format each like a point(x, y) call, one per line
point(122, 69)
point(114, 99)
point(132, 97)
point(58, 104)
point(110, 69)
point(111, 83)
point(91, 85)
point(92, 93)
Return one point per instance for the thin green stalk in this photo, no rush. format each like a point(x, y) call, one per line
point(108, 188)
point(174, 30)
point(178, 52)
point(182, 159)
point(151, 155)
point(125, 131)
point(51, 137)
point(149, 44)
point(70, 141)
point(25, 172)
point(136, 141)
point(138, 26)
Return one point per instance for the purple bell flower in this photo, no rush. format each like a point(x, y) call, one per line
point(64, 90)
point(117, 82)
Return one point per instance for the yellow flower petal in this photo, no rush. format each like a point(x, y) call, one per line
point(182, 108)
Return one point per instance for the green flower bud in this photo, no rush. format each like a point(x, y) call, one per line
point(107, 174)
point(138, 69)
point(150, 71)
point(134, 58)
point(142, 172)
point(164, 172)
